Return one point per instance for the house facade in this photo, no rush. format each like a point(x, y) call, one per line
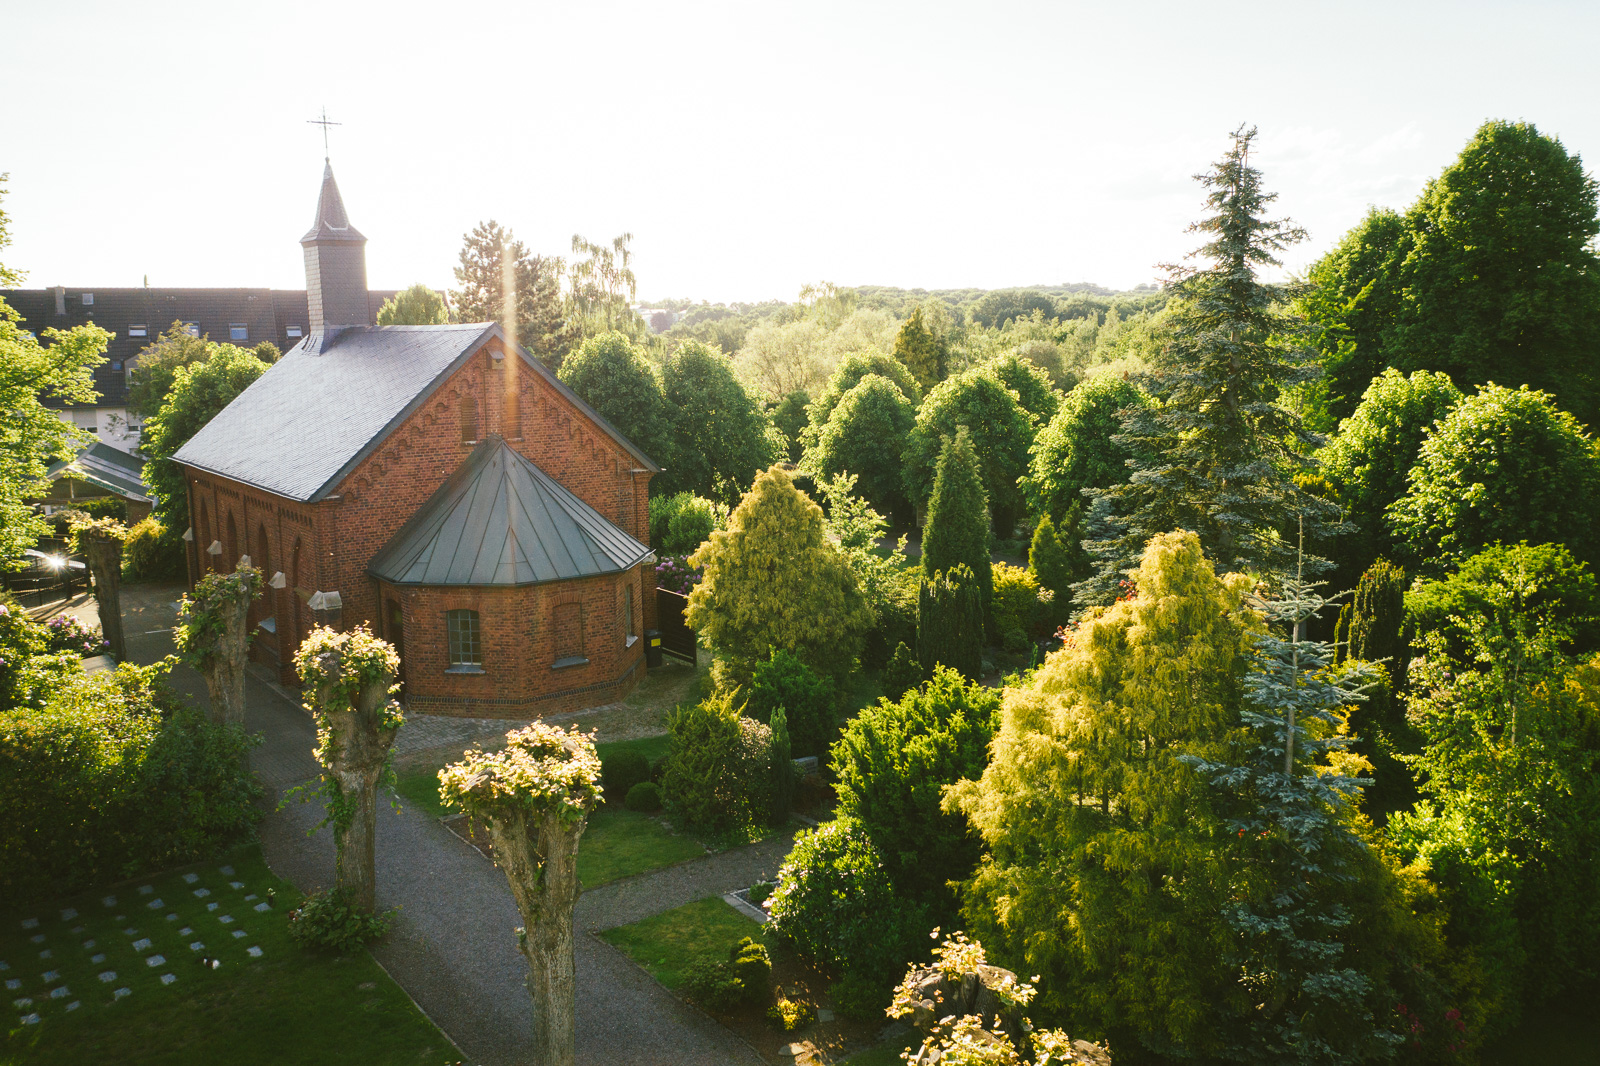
point(439, 484)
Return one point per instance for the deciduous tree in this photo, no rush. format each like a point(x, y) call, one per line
point(918, 350)
point(31, 435)
point(1079, 449)
point(719, 438)
point(1505, 465)
point(863, 437)
point(199, 393)
point(611, 375)
point(416, 306)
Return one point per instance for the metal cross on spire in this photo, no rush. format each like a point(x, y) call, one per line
point(324, 123)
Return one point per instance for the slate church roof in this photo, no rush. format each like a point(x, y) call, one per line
point(500, 520)
point(301, 427)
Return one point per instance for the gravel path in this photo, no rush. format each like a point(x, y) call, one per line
point(452, 947)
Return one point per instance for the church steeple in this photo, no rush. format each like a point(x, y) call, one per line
point(336, 263)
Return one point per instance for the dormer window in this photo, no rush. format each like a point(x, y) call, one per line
point(88, 299)
point(292, 331)
point(138, 330)
point(238, 331)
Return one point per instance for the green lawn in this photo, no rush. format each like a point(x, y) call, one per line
point(621, 843)
point(87, 965)
point(667, 944)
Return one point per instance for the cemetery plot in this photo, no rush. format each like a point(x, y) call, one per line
point(195, 966)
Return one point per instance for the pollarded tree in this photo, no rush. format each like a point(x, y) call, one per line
point(213, 636)
point(1078, 449)
point(1505, 465)
point(1224, 450)
point(101, 540)
point(919, 351)
point(846, 376)
point(611, 374)
point(1087, 802)
point(535, 795)
point(416, 306)
point(863, 437)
point(1369, 458)
point(349, 688)
point(719, 435)
point(773, 579)
point(199, 393)
point(496, 271)
point(958, 516)
point(1001, 434)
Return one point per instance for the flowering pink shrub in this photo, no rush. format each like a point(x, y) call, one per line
point(66, 633)
point(674, 574)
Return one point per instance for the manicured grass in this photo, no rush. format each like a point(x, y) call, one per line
point(652, 748)
point(667, 944)
point(281, 1005)
point(621, 843)
point(420, 788)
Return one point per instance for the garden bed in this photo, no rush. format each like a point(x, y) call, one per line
point(114, 975)
point(666, 945)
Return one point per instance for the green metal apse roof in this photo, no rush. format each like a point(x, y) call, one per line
point(500, 520)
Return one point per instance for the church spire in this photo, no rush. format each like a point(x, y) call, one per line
point(336, 264)
point(332, 223)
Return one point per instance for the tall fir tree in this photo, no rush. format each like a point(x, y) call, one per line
point(958, 516)
point(919, 351)
point(1223, 451)
point(493, 264)
point(1050, 563)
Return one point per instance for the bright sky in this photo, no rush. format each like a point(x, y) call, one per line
point(749, 147)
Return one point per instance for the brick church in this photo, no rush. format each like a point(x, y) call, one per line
point(438, 483)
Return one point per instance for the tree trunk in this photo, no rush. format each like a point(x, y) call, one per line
point(105, 566)
point(225, 674)
point(540, 858)
point(357, 748)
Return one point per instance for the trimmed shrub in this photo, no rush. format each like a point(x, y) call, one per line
point(28, 671)
point(784, 681)
point(112, 776)
point(152, 552)
point(744, 980)
point(902, 673)
point(950, 621)
point(621, 771)
point(644, 796)
point(718, 774)
point(1016, 599)
point(113, 507)
point(891, 767)
point(835, 903)
point(332, 922)
point(787, 1015)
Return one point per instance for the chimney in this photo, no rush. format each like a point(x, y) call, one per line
point(61, 299)
point(336, 264)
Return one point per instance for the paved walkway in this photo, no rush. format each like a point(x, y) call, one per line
point(452, 946)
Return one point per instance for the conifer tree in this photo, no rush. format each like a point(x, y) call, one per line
point(1223, 450)
point(495, 270)
point(1050, 563)
point(958, 516)
point(773, 579)
point(1315, 989)
point(919, 351)
point(950, 621)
